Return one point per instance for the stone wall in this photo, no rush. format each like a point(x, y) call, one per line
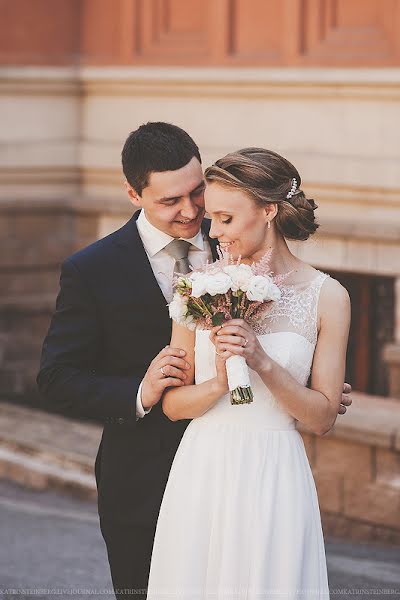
point(35, 238)
point(356, 467)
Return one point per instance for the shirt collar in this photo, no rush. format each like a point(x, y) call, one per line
point(155, 240)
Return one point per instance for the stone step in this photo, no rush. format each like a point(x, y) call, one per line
point(36, 473)
point(42, 450)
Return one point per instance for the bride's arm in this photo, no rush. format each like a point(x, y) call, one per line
point(317, 408)
point(190, 400)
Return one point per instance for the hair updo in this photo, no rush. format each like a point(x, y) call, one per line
point(267, 178)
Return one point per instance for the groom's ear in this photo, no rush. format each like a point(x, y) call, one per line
point(133, 195)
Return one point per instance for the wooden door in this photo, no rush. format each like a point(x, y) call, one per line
point(372, 327)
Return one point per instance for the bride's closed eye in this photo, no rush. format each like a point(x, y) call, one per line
point(227, 221)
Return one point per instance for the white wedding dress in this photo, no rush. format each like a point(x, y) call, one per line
point(240, 517)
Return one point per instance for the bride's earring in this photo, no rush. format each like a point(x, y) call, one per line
point(269, 224)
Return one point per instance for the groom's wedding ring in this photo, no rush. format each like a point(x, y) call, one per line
point(162, 371)
point(246, 341)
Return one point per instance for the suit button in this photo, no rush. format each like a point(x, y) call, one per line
point(120, 420)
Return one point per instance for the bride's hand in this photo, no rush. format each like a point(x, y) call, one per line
point(237, 337)
point(220, 360)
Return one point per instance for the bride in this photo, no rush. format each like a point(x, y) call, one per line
point(240, 517)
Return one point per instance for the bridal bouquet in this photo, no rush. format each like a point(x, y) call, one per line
point(221, 291)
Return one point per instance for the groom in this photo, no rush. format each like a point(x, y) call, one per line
point(101, 358)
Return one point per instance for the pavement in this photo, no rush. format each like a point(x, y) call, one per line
point(55, 550)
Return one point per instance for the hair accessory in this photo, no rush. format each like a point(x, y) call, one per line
point(292, 189)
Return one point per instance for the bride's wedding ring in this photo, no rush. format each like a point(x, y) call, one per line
point(219, 354)
point(246, 341)
point(162, 371)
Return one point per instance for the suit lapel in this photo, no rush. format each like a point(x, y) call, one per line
point(138, 268)
point(135, 262)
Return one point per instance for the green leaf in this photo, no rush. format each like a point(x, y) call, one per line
point(218, 319)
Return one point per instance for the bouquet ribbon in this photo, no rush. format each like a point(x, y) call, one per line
point(238, 380)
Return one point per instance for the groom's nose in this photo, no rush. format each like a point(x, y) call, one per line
point(189, 209)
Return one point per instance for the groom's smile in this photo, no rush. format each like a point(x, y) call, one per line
point(173, 201)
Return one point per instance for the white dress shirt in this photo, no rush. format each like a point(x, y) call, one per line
point(154, 242)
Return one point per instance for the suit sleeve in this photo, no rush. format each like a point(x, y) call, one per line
point(67, 378)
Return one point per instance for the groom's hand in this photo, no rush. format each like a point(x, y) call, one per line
point(346, 399)
point(168, 369)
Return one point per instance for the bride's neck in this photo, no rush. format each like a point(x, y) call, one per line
point(282, 260)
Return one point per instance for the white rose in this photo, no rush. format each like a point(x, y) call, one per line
point(219, 283)
point(240, 275)
point(262, 289)
point(199, 284)
point(178, 308)
point(274, 293)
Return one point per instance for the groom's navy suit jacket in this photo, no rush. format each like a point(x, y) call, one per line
point(111, 320)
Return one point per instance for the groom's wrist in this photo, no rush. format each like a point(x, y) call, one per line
point(141, 409)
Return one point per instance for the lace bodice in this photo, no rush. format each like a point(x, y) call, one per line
point(296, 311)
point(288, 331)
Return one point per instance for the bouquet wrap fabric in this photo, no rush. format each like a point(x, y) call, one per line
point(237, 372)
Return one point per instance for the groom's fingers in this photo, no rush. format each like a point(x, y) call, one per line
point(179, 363)
point(167, 351)
point(170, 371)
point(346, 400)
point(347, 389)
point(171, 382)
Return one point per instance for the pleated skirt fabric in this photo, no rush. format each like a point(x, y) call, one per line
point(239, 519)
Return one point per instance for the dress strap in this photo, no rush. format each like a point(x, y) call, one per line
point(317, 284)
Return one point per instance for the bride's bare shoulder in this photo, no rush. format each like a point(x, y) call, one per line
point(334, 301)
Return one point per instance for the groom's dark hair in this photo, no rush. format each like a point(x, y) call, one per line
point(156, 147)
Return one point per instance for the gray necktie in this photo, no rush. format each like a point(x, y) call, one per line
point(179, 250)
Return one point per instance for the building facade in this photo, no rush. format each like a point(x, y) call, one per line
point(316, 80)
